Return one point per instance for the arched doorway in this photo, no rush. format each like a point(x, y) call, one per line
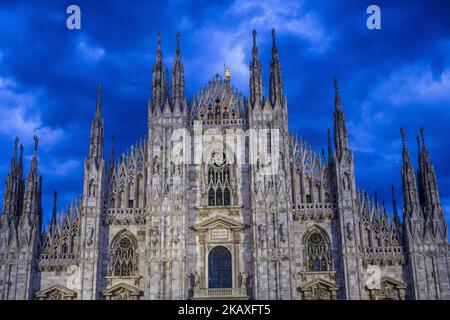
point(219, 268)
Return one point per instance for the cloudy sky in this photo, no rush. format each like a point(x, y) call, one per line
point(395, 77)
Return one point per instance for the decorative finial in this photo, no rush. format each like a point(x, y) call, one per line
point(404, 147)
point(178, 39)
point(422, 133)
point(227, 74)
point(159, 39)
point(54, 206)
point(16, 142)
point(402, 132)
point(335, 84)
point(36, 141)
point(394, 202)
point(111, 156)
point(99, 97)
point(329, 141)
point(394, 205)
point(254, 37)
point(273, 36)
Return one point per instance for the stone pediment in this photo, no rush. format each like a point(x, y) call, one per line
point(388, 289)
point(395, 283)
point(56, 292)
point(123, 291)
point(318, 281)
point(219, 221)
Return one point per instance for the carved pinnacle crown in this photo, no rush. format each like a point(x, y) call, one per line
point(36, 141)
point(422, 133)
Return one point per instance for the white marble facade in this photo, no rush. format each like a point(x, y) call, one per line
point(221, 201)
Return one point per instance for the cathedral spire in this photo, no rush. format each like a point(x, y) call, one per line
point(96, 137)
point(409, 184)
point(395, 218)
point(337, 98)
point(276, 82)
point(159, 83)
point(340, 127)
point(405, 153)
point(54, 209)
point(178, 79)
point(111, 155)
point(330, 149)
point(14, 157)
point(12, 198)
point(33, 167)
point(158, 50)
point(32, 189)
point(256, 82)
point(98, 110)
point(428, 188)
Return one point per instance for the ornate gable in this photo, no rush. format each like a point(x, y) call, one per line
point(318, 289)
point(123, 291)
point(56, 292)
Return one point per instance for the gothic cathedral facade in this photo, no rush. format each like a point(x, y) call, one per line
point(221, 201)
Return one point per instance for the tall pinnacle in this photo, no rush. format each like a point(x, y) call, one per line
point(427, 181)
point(409, 185)
point(54, 208)
point(96, 137)
point(36, 141)
point(405, 153)
point(274, 43)
point(276, 82)
point(256, 84)
point(158, 50)
point(340, 127)
point(178, 51)
point(394, 202)
point(337, 98)
point(177, 79)
point(33, 167)
point(254, 47)
point(98, 110)
point(159, 83)
point(422, 133)
point(111, 156)
point(16, 142)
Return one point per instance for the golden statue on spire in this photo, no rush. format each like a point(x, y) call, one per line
point(227, 74)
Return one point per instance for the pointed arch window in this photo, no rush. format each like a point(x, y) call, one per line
point(218, 181)
point(124, 257)
point(317, 252)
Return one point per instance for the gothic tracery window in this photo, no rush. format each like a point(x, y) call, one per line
point(124, 257)
point(317, 252)
point(219, 181)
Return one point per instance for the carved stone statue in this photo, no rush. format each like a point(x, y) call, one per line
point(262, 229)
point(282, 229)
point(90, 240)
point(154, 234)
point(196, 280)
point(244, 279)
point(349, 230)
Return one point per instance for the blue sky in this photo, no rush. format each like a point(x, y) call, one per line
point(395, 77)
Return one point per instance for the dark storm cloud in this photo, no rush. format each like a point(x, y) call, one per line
point(398, 76)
